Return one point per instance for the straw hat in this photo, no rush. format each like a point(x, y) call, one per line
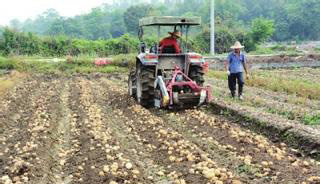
point(175, 33)
point(237, 45)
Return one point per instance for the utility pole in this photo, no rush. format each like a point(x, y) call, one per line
point(212, 40)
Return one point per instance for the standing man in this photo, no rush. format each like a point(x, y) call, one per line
point(235, 65)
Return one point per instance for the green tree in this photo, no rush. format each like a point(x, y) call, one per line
point(304, 18)
point(261, 30)
point(42, 23)
point(132, 16)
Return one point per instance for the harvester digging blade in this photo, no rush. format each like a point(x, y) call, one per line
point(203, 97)
point(164, 93)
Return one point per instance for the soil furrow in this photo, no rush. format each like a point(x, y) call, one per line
point(23, 164)
point(138, 149)
point(183, 157)
point(42, 126)
point(263, 160)
point(58, 145)
point(86, 129)
point(106, 162)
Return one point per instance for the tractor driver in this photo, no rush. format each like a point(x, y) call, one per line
point(170, 44)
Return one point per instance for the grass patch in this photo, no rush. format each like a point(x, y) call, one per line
point(286, 114)
point(277, 49)
point(8, 81)
point(262, 51)
point(5, 84)
point(299, 87)
point(124, 60)
point(218, 74)
point(247, 169)
point(6, 64)
point(80, 64)
point(317, 49)
point(312, 119)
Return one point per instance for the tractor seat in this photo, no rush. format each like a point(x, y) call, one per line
point(168, 50)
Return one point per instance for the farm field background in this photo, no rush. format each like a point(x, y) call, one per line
point(83, 128)
point(66, 116)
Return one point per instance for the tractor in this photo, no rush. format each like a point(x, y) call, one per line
point(166, 79)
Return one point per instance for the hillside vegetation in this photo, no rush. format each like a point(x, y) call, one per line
point(252, 22)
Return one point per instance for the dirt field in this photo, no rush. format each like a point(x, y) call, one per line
point(85, 129)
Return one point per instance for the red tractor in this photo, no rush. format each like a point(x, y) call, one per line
point(168, 80)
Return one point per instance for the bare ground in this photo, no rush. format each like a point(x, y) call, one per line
point(85, 129)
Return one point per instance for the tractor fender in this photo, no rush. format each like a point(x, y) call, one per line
point(146, 60)
point(195, 58)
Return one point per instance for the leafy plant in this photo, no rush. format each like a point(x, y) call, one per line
point(312, 119)
point(19, 43)
point(261, 30)
point(247, 169)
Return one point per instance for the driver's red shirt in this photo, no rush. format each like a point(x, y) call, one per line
point(170, 41)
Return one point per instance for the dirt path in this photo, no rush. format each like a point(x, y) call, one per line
point(85, 129)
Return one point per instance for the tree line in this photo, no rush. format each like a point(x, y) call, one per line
point(13, 42)
point(293, 19)
point(20, 43)
point(250, 21)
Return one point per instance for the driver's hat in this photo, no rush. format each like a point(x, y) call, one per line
point(175, 33)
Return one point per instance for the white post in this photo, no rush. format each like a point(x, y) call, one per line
point(212, 28)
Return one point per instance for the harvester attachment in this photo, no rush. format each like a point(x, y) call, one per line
point(180, 91)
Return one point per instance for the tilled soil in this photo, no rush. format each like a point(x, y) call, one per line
point(85, 129)
point(279, 115)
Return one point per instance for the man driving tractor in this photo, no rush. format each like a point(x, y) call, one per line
point(170, 44)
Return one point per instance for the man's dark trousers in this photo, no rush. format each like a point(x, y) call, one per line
point(233, 78)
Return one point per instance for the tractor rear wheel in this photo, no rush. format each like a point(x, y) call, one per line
point(145, 85)
point(132, 84)
point(196, 74)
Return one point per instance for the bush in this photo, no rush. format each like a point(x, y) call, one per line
point(19, 43)
point(261, 30)
point(124, 60)
point(202, 40)
point(224, 39)
point(249, 43)
point(6, 64)
point(122, 45)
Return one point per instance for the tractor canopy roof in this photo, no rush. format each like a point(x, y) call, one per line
point(169, 21)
